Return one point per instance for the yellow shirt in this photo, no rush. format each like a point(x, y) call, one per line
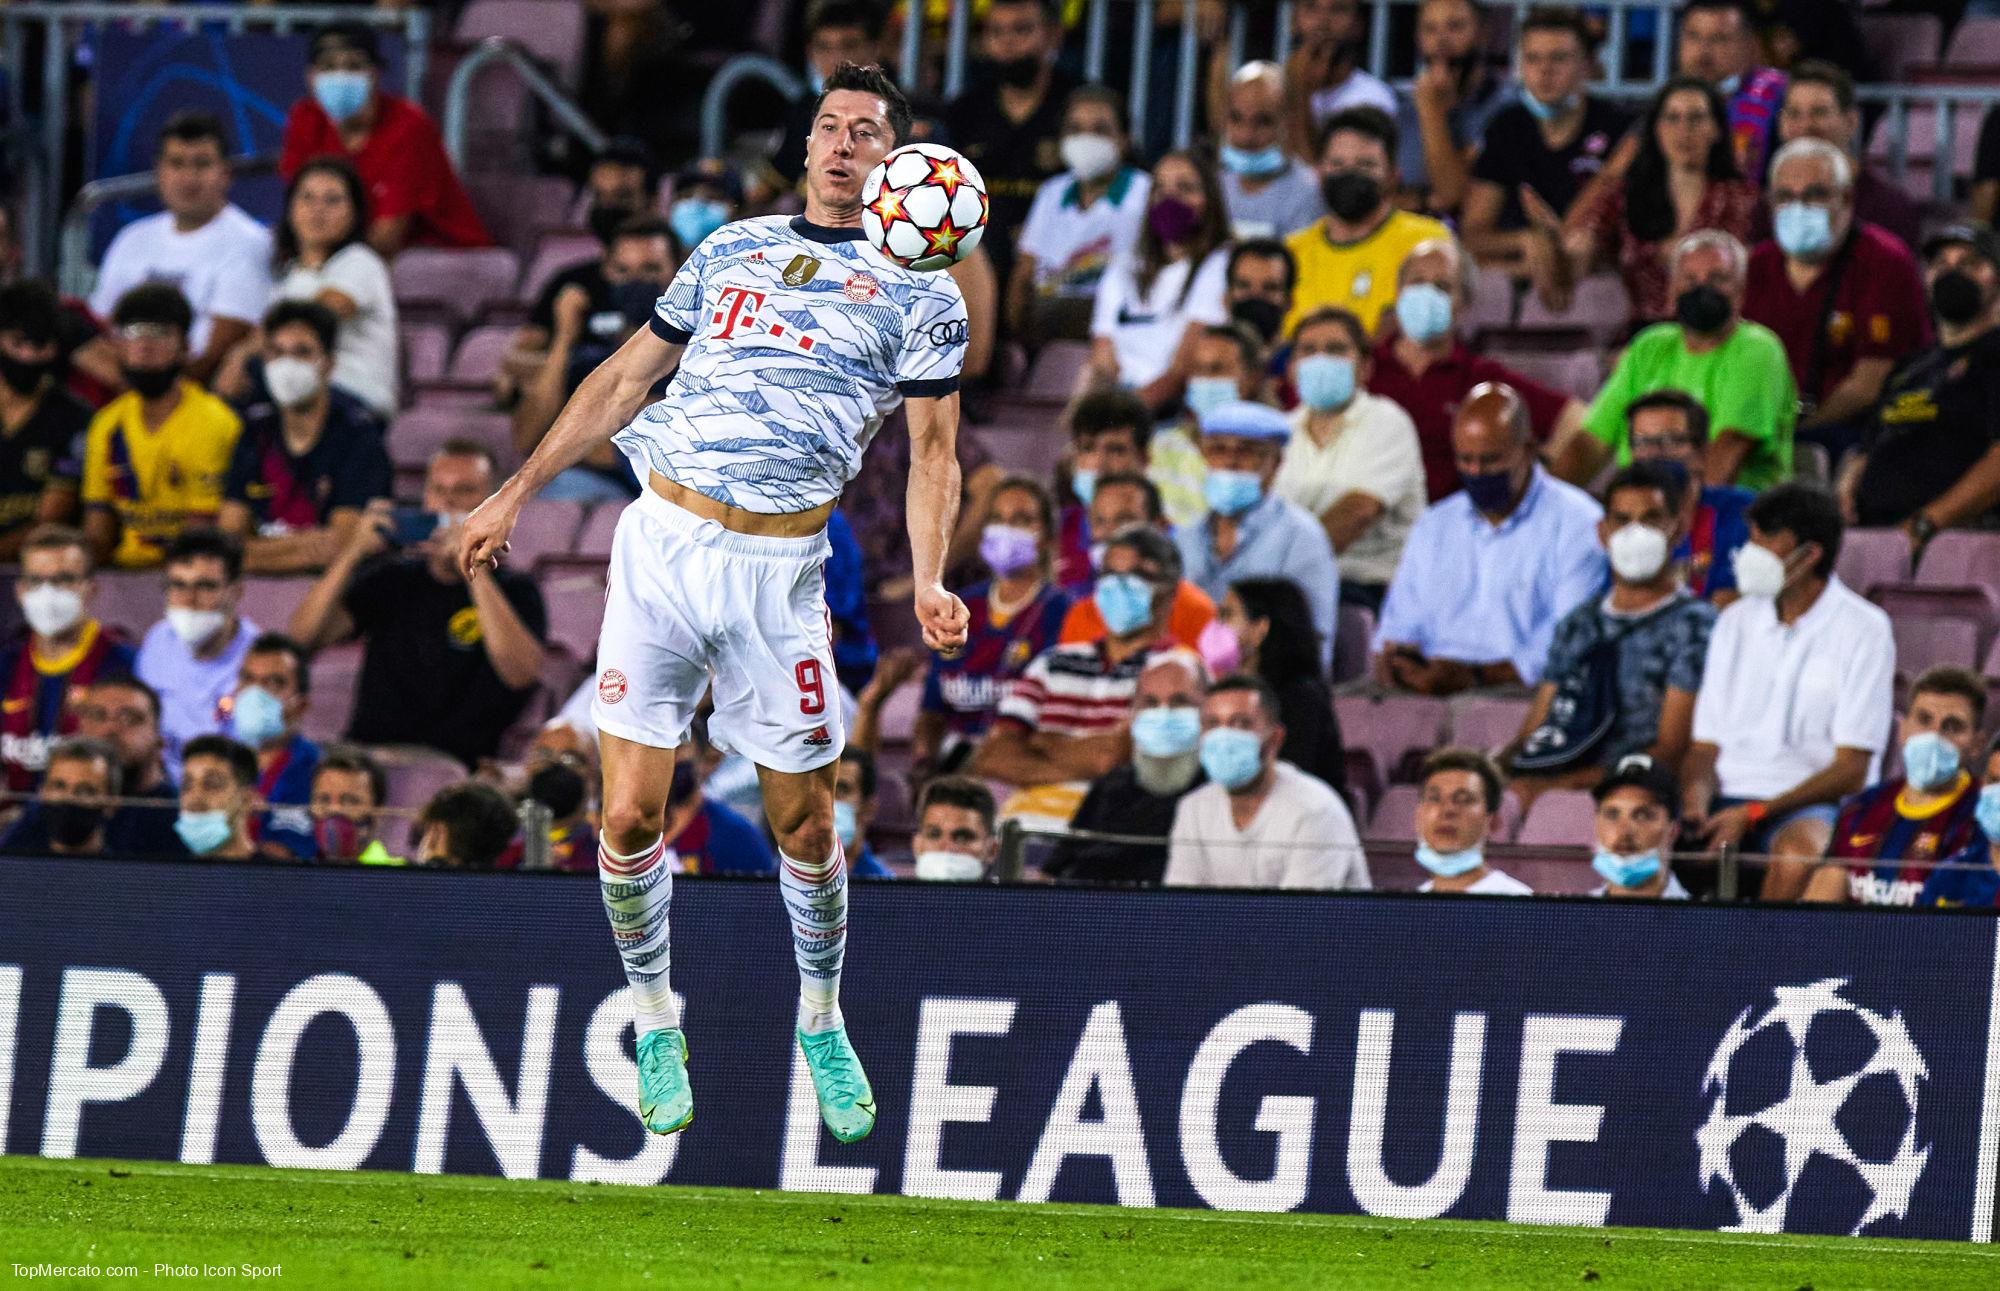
point(160, 480)
point(1360, 277)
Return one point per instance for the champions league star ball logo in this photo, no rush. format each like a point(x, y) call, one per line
point(1818, 1096)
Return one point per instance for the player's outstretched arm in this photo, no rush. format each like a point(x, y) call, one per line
point(603, 405)
point(932, 505)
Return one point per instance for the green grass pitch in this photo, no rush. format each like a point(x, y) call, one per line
point(239, 1225)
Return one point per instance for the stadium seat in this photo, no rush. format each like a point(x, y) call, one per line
point(133, 600)
point(1390, 726)
point(1354, 628)
point(1899, 39)
point(1053, 376)
point(416, 774)
point(1559, 818)
point(551, 30)
point(472, 396)
point(336, 672)
point(544, 529)
point(1920, 145)
point(268, 602)
point(1031, 445)
point(1487, 722)
point(1961, 558)
point(594, 538)
point(426, 349)
point(459, 280)
point(1492, 307)
point(1872, 557)
point(1395, 817)
point(899, 712)
point(1925, 642)
point(517, 208)
point(421, 431)
point(1975, 41)
point(1974, 605)
point(573, 598)
point(1601, 306)
point(555, 251)
point(1555, 875)
point(477, 358)
point(1575, 369)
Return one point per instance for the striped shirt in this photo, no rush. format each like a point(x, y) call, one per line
point(1075, 690)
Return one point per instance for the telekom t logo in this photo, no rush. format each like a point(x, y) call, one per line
point(737, 311)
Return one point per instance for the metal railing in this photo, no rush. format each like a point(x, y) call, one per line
point(715, 99)
point(497, 50)
point(61, 26)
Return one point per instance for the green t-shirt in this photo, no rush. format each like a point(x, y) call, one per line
point(1745, 383)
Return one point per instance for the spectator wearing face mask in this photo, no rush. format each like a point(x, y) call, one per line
point(1252, 531)
point(1795, 696)
point(61, 651)
point(1109, 434)
point(707, 195)
point(854, 788)
point(320, 254)
point(1225, 365)
point(955, 839)
point(218, 799)
point(124, 713)
point(1637, 821)
point(194, 655)
point(1820, 104)
point(1264, 630)
point(1445, 112)
point(1269, 194)
point(1623, 668)
point(1669, 428)
point(708, 837)
point(348, 790)
point(415, 195)
point(1890, 835)
point(1138, 798)
point(1971, 876)
point(71, 814)
point(1119, 502)
point(264, 715)
point(40, 422)
point(154, 458)
point(1353, 459)
point(1259, 822)
point(1259, 281)
point(1457, 812)
point(1080, 221)
point(309, 458)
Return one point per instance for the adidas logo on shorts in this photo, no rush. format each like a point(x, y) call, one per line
point(819, 738)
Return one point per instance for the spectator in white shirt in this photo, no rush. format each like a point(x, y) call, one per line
point(1259, 822)
point(1079, 222)
point(1638, 818)
point(202, 243)
point(322, 254)
point(1795, 701)
point(1324, 73)
point(1459, 810)
point(1153, 300)
point(1353, 460)
point(1270, 194)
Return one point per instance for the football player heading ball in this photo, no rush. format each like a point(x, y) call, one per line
point(794, 339)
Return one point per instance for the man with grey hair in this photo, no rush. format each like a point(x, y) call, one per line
point(1268, 193)
point(1843, 295)
point(1736, 368)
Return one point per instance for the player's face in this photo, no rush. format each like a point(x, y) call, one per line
point(945, 828)
point(66, 568)
point(208, 785)
point(1631, 822)
point(194, 178)
point(1947, 716)
point(1811, 111)
point(1451, 815)
point(850, 136)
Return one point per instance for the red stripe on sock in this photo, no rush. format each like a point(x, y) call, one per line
point(625, 867)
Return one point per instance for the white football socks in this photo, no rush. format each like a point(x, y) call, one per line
point(637, 890)
point(816, 902)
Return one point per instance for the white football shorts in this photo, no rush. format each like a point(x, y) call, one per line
point(689, 602)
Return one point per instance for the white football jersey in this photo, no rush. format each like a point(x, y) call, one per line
point(800, 340)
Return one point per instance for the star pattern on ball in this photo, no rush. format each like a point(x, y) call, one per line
point(944, 239)
point(888, 207)
point(945, 174)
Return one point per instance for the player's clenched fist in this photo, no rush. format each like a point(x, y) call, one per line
point(943, 618)
point(483, 540)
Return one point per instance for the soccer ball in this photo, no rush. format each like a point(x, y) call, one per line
point(1817, 1088)
point(924, 207)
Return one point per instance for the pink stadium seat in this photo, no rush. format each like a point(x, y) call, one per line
point(899, 712)
point(1899, 39)
point(268, 602)
point(1559, 818)
point(551, 30)
point(1487, 722)
point(1031, 445)
point(1975, 41)
point(415, 774)
point(462, 280)
point(895, 813)
point(1390, 726)
point(1991, 666)
point(132, 600)
point(1492, 307)
point(1974, 605)
point(426, 349)
point(336, 672)
point(516, 208)
point(594, 538)
point(421, 431)
point(1920, 145)
point(1870, 557)
point(477, 358)
point(1053, 376)
point(1556, 875)
point(1962, 558)
point(1924, 643)
point(1395, 817)
point(1600, 306)
point(1578, 373)
point(544, 529)
point(573, 597)
point(464, 396)
point(555, 251)
point(1354, 628)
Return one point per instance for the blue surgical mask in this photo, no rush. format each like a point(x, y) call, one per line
point(1232, 758)
point(1541, 111)
point(1988, 812)
point(1449, 864)
point(694, 218)
point(1166, 732)
point(845, 825)
point(1803, 231)
point(1929, 762)
point(1231, 493)
point(258, 716)
point(1728, 85)
point(1083, 483)
point(1626, 871)
point(1254, 165)
point(203, 831)
point(1206, 394)
point(342, 94)
point(1423, 312)
point(1125, 601)
point(1325, 381)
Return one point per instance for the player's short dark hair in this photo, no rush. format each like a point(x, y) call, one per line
point(1458, 759)
point(356, 36)
point(132, 682)
point(467, 446)
point(1119, 409)
point(1945, 679)
point(1680, 401)
point(1344, 319)
point(1372, 123)
point(206, 540)
point(238, 757)
point(1817, 71)
point(1267, 699)
point(1650, 475)
point(31, 308)
point(846, 13)
point(1807, 512)
point(279, 643)
point(1045, 501)
point(1248, 347)
point(1263, 249)
point(870, 79)
point(1155, 506)
point(343, 757)
point(81, 748)
point(863, 763)
point(959, 791)
point(158, 303)
point(1099, 94)
point(192, 125)
point(1561, 18)
point(1152, 547)
point(305, 313)
point(478, 822)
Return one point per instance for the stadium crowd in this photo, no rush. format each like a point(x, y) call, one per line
point(1396, 470)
